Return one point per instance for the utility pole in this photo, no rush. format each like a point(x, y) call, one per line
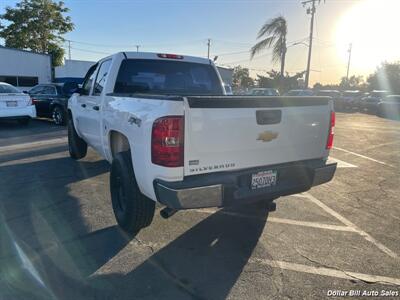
point(310, 10)
point(69, 49)
point(348, 63)
point(208, 47)
point(137, 48)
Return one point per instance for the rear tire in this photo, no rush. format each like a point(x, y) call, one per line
point(58, 115)
point(77, 146)
point(133, 211)
point(24, 121)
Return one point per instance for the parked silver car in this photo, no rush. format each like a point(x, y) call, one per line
point(389, 107)
point(300, 93)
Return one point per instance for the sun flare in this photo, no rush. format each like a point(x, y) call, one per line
point(372, 27)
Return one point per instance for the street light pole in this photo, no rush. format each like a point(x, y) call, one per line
point(348, 63)
point(208, 48)
point(69, 49)
point(311, 10)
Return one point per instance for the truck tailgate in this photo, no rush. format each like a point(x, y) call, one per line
point(232, 132)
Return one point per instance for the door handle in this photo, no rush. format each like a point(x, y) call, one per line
point(96, 107)
point(83, 105)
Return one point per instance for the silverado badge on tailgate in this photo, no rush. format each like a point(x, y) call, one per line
point(267, 136)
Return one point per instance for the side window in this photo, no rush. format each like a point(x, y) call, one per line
point(89, 78)
point(101, 77)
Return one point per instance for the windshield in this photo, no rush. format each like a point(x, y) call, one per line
point(145, 76)
point(8, 89)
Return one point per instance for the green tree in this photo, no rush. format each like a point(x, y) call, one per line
point(37, 25)
point(386, 77)
point(241, 78)
point(275, 80)
point(352, 83)
point(274, 33)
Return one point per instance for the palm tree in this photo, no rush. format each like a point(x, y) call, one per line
point(275, 31)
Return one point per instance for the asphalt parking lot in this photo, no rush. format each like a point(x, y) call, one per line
point(59, 239)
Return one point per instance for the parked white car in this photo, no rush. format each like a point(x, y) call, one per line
point(171, 134)
point(15, 104)
point(264, 92)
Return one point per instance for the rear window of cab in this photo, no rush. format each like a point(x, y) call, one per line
point(150, 76)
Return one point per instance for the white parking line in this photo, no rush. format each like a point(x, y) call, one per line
point(27, 146)
point(351, 225)
point(340, 163)
point(20, 161)
point(326, 271)
point(310, 224)
point(365, 157)
point(280, 220)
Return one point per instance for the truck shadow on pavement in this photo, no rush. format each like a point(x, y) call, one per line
point(205, 262)
point(47, 250)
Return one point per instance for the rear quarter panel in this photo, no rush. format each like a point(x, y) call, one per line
point(117, 112)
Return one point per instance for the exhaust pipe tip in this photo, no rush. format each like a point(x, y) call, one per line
point(271, 206)
point(167, 212)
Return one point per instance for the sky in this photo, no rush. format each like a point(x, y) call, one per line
point(103, 27)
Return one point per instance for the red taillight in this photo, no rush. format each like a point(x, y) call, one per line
point(171, 56)
point(33, 100)
point(329, 143)
point(167, 141)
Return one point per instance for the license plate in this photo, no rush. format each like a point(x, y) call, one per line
point(263, 179)
point(11, 103)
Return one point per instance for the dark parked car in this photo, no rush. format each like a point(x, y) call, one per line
point(51, 100)
point(349, 100)
point(335, 95)
point(370, 103)
point(389, 107)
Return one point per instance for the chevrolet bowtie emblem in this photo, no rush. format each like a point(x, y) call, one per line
point(267, 136)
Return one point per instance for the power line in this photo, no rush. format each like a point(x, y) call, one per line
point(142, 45)
point(90, 51)
point(248, 60)
point(232, 53)
point(233, 42)
point(99, 45)
point(291, 43)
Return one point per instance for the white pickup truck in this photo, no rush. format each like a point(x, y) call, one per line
point(171, 134)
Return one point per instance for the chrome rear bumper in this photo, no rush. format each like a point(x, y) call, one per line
point(230, 188)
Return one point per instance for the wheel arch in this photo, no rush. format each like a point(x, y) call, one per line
point(117, 142)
